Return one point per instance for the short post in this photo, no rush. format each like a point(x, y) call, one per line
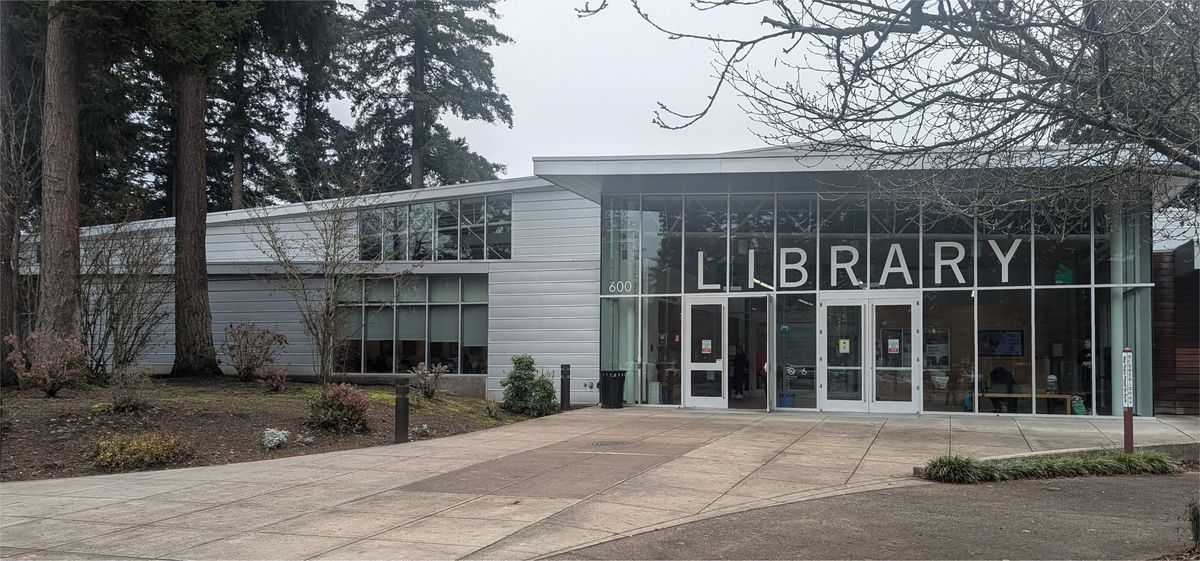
point(564, 388)
point(401, 410)
point(1127, 396)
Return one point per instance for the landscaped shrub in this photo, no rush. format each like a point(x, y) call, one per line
point(340, 407)
point(251, 348)
point(427, 378)
point(274, 438)
point(953, 468)
point(121, 451)
point(128, 385)
point(47, 363)
point(527, 391)
point(276, 378)
point(960, 469)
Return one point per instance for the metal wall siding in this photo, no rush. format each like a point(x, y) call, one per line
point(235, 300)
point(546, 301)
point(554, 224)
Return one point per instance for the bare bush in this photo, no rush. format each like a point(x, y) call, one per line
point(47, 363)
point(427, 378)
point(251, 348)
point(276, 378)
point(129, 385)
point(126, 290)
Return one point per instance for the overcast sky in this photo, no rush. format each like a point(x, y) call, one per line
point(586, 87)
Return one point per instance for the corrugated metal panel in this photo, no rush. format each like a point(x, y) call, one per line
point(555, 225)
point(234, 300)
point(559, 327)
point(544, 302)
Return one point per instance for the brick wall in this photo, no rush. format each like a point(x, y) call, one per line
point(1176, 338)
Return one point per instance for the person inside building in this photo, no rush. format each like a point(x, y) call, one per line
point(741, 373)
point(1084, 388)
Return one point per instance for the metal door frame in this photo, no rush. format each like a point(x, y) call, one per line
point(722, 365)
point(867, 304)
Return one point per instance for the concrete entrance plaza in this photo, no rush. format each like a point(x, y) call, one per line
point(521, 491)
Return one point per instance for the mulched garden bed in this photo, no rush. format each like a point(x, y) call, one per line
point(220, 419)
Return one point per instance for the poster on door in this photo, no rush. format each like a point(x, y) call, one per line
point(706, 346)
point(893, 346)
point(843, 346)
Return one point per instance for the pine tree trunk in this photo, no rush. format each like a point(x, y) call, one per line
point(58, 298)
point(8, 202)
point(194, 351)
point(237, 188)
point(416, 89)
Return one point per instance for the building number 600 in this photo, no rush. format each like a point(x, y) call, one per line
point(620, 287)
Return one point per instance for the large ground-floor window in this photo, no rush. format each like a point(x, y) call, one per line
point(394, 324)
point(1027, 350)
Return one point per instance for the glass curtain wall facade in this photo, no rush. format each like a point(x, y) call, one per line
point(392, 325)
point(1024, 311)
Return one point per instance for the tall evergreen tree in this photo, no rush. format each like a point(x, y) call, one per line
point(58, 298)
point(417, 60)
point(189, 39)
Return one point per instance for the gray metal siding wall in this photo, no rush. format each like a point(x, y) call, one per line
point(545, 302)
point(235, 299)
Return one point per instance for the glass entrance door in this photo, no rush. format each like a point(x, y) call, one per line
point(706, 380)
point(867, 359)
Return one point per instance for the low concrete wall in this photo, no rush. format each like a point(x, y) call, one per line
point(468, 385)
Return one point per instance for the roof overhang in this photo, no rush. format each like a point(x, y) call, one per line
point(748, 170)
point(774, 168)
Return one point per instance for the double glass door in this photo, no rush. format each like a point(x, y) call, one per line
point(728, 353)
point(868, 356)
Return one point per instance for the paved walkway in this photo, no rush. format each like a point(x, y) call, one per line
point(1087, 518)
point(521, 491)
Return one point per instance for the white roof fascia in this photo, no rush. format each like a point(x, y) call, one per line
point(363, 201)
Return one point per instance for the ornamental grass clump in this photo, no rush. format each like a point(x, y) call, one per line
point(341, 408)
point(953, 468)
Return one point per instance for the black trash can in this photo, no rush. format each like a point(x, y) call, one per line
point(612, 389)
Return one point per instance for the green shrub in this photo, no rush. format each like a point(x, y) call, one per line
point(953, 468)
point(122, 451)
point(526, 391)
point(340, 407)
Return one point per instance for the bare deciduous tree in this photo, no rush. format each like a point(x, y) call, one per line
point(315, 260)
point(125, 289)
point(20, 173)
point(1070, 98)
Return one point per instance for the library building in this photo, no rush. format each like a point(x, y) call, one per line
point(762, 279)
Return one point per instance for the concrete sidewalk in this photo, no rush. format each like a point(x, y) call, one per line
point(1140, 517)
point(520, 491)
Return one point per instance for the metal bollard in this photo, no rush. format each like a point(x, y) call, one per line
point(564, 388)
point(401, 410)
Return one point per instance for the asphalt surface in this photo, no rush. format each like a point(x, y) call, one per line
point(1136, 517)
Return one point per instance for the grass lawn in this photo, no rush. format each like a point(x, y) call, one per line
point(220, 420)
